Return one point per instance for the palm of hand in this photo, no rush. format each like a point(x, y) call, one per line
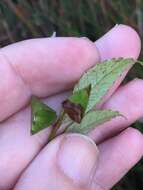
point(44, 67)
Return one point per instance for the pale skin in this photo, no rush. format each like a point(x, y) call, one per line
point(49, 66)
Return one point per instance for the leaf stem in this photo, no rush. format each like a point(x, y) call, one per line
point(56, 126)
point(67, 127)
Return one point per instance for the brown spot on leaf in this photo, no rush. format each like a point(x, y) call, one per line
point(74, 111)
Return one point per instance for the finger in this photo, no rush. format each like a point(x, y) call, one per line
point(117, 156)
point(41, 67)
point(120, 41)
point(128, 101)
point(70, 159)
point(12, 90)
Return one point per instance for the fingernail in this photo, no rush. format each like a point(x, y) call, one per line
point(77, 158)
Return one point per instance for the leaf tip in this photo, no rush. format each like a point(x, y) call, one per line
point(140, 62)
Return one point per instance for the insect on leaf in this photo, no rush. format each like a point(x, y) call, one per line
point(42, 115)
point(93, 119)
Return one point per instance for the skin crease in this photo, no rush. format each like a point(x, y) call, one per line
point(81, 168)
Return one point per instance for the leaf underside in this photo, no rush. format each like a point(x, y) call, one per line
point(101, 77)
point(92, 120)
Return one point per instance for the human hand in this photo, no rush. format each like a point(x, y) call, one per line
point(44, 67)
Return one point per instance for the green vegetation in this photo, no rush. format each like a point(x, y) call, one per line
point(22, 19)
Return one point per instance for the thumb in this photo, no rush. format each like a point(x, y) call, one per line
point(68, 162)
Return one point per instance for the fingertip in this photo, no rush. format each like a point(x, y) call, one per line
point(120, 41)
point(135, 139)
point(77, 158)
point(119, 154)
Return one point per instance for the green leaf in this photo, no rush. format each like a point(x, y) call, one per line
point(101, 77)
point(42, 115)
point(140, 62)
point(76, 104)
point(81, 97)
point(91, 120)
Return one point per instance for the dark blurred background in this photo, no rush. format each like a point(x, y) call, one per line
point(23, 19)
